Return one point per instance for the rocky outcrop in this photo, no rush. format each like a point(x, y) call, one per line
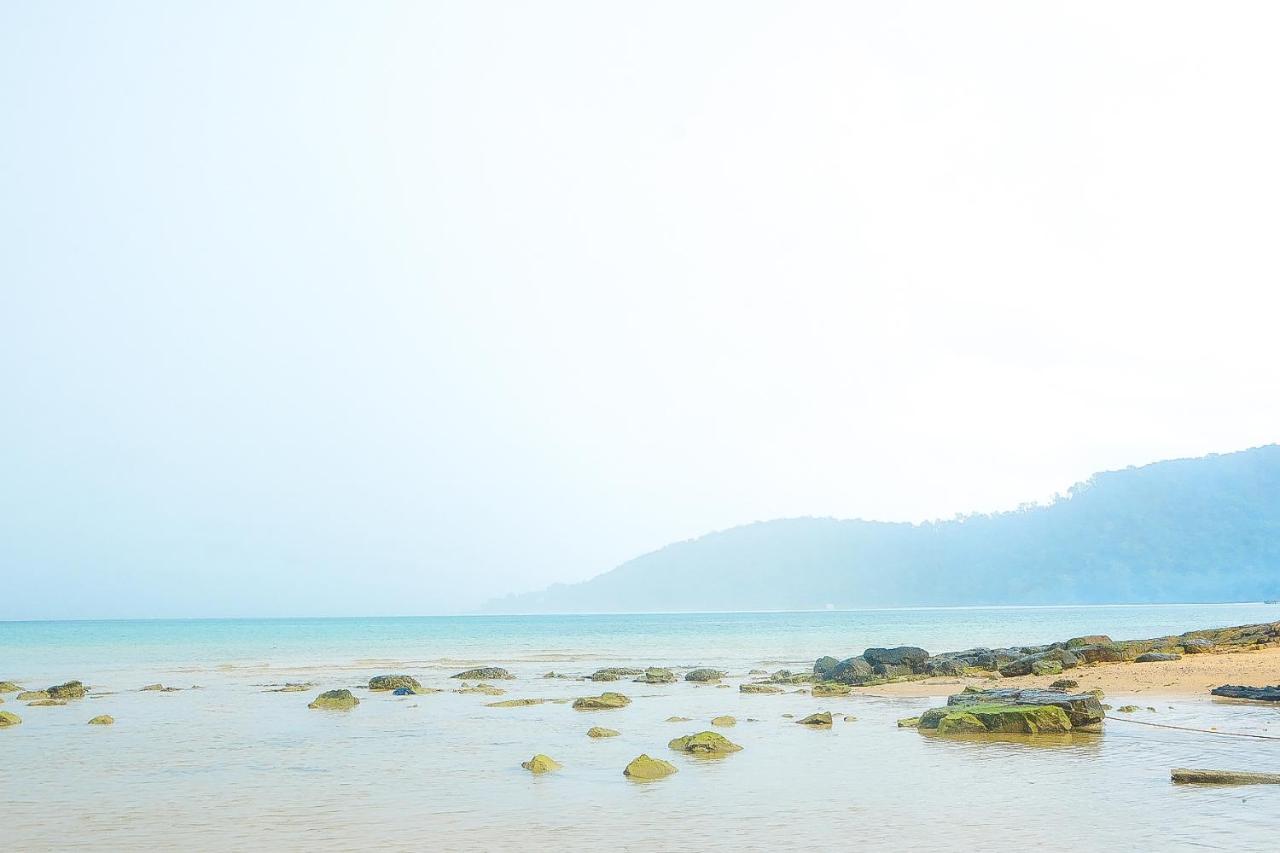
point(103, 720)
point(1256, 694)
point(47, 703)
point(704, 743)
point(482, 689)
point(334, 700)
point(394, 682)
point(1004, 719)
point(704, 675)
point(1156, 657)
point(541, 764)
point(656, 675)
point(644, 769)
point(603, 702)
point(484, 673)
point(69, 690)
point(828, 688)
point(1083, 710)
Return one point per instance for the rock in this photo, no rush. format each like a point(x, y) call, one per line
point(1257, 694)
point(394, 682)
point(69, 690)
point(404, 691)
point(335, 700)
point(598, 731)
point(1186, 775)
point(909, 723)
point(9, 687)
point(1065, 684)
point(643, 768)
point(786, 676)
point(613, 673)
point(943, 666)
point(1128, 709)
point(541, 764)
point(704, 743)
point(103, 720)
point(1155, 657)
point(855, 670)
point(1089, 640)
point(554, 674)
point(822, 718)
point(1005, 719)
point(46, 703)
point(514, 703)
point(8, 718)
point(1082, 709)
point(158, 688)
point(724, 686)
point(1046, 666)
point(831, 689)
point(677, 719)
point(756, 672)
point(1101, 653)
point(657, 675)
point(724, 722)
point(758, 688)
point(32, 695)
point(291, 687)
point(1047, 662)
point(1196, 646)
point(824, 667)
point(485, 673)
point(704, 675)
point(483, 689)
point(913, 658)
point(849, 718)
point(603, 702)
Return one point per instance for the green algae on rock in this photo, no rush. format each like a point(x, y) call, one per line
point(600, 731)
point(603, 702)
point(826, 688)
point(103, 720)
point(541, 764)
point(644, 769)
point(1128, 709)
point(1003, 719)
point(704, 675)
point(68, 690)
point(486, 673)
point(514, 703)
point(909, 723)
point(9, 687)
point(394, 682)
point(657, 675)
point(677, 719)
point(820, 719)
point(32, 695)
point(613, 673)
point(1065, 684)
point(482, 689)
point(704, 743)
point(8, 718)
point(158, 688)
point(46, 703)
point(724, 721)
point(758, 688)
point(335, 700)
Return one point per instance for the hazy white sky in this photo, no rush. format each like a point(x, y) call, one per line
point(318, 308)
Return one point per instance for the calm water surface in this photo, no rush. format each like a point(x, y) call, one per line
point(231, 766)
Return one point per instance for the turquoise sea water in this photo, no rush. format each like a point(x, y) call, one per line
point(232, 766)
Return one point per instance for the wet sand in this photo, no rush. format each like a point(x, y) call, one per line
point(1194, 675)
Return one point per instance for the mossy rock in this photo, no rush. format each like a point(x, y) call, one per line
point(657, 675)
point(9, 687)
point(159, 688)
point(541, 764)
point(1089, 640)
point(909, 723)
point(68, 690)
point(725, 721)
point(514, 703)
point(677, 719)
point(103, 720)
point(393, 682)
point(704, 743)
point(1065, 684)
point(704, 675)
point(32, 695)
point(820, 719)
point(335, 700)
point(484, 673)
point(1046, 666)
point(8, 718)
point(47, 703)
point(600, 731)
point(645, 769)
point(828, 689)
point(481, 689)
point(614, 673)
point(1128, 709)
point(603, 702)
point(291, 688)
point(758, 688)
point(1005, 719)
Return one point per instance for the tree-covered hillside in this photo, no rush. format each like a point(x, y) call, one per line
point(1204, 529)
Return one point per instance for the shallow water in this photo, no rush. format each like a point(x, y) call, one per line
point(230, 766)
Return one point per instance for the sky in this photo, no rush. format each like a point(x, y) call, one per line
point(379, 308)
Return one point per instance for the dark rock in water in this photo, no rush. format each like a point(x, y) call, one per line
point(1082, 709)
point(1156, 657)
point(758, 688)
point(70, 690)
point(484, 673)
point(786, 676)
point(402, 691)
point(824, 667)
point(8, 718)
point(853, 670)
point(704, 675)
point(395, 682)
point(911, 657)
point(828, 688)
point(1257, 694)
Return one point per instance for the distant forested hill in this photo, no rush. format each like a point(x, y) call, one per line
point(1204, 529)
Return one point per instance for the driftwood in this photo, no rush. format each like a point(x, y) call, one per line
point(1223, 777)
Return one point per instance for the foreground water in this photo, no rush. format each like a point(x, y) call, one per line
point(229, 765)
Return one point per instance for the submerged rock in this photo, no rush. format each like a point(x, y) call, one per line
point(394, 682)
point(292, 687)
point(677, 719)
point(822, 718)
point(643, 768)
point(1128, 709)
point(335, 700)
point(485, 673)
point(554, 674)
point(46, 703)
point(613, 673)
point(704, 675)
point(8, 718)
point(1155, 657)
point(827, 688)
point(1082, 709)
point(158, 688)
point(9, 687)
point(909, 723)
point(758, 688)
point(69, 690)
point(704, 743)
point(603, 702)
point(786, 676)
point(32, 695)
point(600, 731)
point(724, 722)
point(1257, 694)
point(514, 703)
point(482, 689)
point(541, 764)
point(657, 675)
point(103, 720)
point(1186, 775)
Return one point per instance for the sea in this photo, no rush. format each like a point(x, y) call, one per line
point(225, 763)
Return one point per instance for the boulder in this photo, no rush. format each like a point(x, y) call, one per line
point(704, 675)
point(1196, 646)
point(1102, 653)
point(335, 700)
point(944, 666)
point(1089, 640)
point(47, 703)
point(394, 682)
point(758, 688)
point(484, 673)
point(69, 690)
point(786, 676)
point(603, 702)
point(828, 688)
point(643, 768)
point(657, 675)
point(1003, 719)
point(1156, 657)
point(1257, 694)
point(1047, 662)
point(724, 722)
point(612, 673)
point(824, 667)
point(541, 764)
point(909, 723)
point(704, 743)
point(911, 657)
point(32, 695)
point(1082, 709)
point(103, 720)
point(8, 718)
point(599, 731)
point(853, 670)
point(1128, 709)
point(822, 718)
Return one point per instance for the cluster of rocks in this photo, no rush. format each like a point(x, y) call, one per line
point(874, 666)
point(1255, 694)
